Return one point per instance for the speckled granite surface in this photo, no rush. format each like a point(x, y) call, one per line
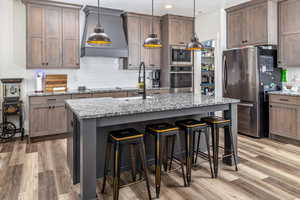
point(109, 107)
point(287, 93)
point(88, 91)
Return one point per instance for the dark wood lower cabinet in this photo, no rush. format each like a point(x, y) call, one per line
point(48, 114)
point(284, 114)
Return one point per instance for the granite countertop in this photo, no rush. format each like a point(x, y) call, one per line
point(110, 107)
point(89, 91)
point(287, 93)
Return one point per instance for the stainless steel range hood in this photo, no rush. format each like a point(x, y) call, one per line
point(112, 22)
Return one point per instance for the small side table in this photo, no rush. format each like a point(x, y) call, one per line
point(11, 108)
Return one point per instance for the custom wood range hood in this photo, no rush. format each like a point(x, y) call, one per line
point(112, 22)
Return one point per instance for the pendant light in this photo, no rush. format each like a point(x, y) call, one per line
point(99, 37)
point(152, 41)
point(194, 45)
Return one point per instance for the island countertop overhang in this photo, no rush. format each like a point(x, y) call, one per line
point(114, 107)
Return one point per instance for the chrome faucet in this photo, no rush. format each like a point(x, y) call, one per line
point(142, 83)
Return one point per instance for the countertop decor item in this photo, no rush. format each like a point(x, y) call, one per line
point(152, 41)
point(194, 45)
point(56, 82)
point(99, 37)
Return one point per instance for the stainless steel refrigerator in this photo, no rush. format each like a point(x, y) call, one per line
point(249, 74)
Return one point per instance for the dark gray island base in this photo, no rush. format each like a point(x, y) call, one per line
point(90, 120)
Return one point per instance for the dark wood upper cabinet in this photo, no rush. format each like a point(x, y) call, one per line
point(70, 38)
point(252, 23)
point(138, 29)
point(52, 35)
point(134, 38)
point(180, 30)
point(289, 33)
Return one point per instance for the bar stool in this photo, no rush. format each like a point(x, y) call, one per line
point(215, 124)
point(118, 139)
point(170, 131)
point(192, 127)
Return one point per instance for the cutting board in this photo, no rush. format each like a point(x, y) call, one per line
point(56, 82)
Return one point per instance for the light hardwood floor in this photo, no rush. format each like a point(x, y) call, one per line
point(268, 170)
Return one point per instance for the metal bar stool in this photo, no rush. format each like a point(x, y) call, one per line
point(119, 138)
point(215, 124)
point(170, 131)
point(191, 128)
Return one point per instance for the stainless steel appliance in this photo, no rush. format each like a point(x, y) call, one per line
point(155, 78)
point(181, 78)
point(249, 74)
point(181, 56)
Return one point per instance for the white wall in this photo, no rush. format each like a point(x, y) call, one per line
point(212, 26)
point(95, 72)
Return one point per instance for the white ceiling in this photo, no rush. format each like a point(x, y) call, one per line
point(180, 7)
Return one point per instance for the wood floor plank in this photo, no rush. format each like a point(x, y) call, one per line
point(291, 189)
point(256, 192)
point(29, 181)
point(10, 183)
point(47, 189)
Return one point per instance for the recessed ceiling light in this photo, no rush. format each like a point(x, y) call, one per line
point(168, 6)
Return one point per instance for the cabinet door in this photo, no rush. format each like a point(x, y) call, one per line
point(57, 120)
point(70, 38)
point(289, 12)
point(283, 120)
point(145, 30)
point(39, 116)
point(235, 29)
point(175, 32)
point(290, 50)
point(35, 35)
point(256, 31)
point(187, 29)
point(155, 54)
point(289, 33)
point(53, 35)
point(134, 45)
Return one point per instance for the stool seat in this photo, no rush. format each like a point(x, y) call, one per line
point(215, 120)
point(190, 123)
point(162, 128)
point(126, 134)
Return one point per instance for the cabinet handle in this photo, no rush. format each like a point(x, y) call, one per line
point(49, 107)
point(77, 63)
point(46, 63)
point(181, 42)
point(283, 100)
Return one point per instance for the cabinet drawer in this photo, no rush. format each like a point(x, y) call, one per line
point(81, 96)
point(285, 99)
point(49, 99)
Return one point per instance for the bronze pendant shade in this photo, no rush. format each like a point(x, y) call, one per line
point(194, 45)
point(99, 37)
point(152, 41)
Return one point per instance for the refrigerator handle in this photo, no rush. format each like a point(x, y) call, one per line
point(225, 75)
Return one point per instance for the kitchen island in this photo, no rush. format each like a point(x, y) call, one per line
point(90, 120)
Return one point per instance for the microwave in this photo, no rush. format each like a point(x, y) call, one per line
point(181, 56)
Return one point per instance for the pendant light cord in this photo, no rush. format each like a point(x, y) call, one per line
point(99, 13)
point(152, 29)
point(194, 20)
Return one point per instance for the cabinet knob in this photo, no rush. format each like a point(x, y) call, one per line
point(46, 63)
point(77, 63)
